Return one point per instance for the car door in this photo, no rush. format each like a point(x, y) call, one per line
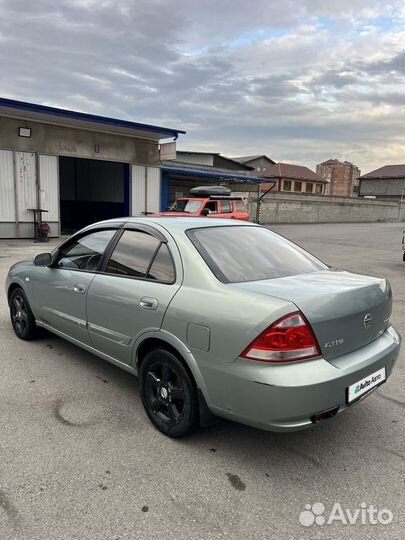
point(60, 290)
point(241, 210)
point(132, 292)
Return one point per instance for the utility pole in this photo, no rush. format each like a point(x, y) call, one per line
point(259, 200)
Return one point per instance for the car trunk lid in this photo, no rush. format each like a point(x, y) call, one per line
point(346, 311)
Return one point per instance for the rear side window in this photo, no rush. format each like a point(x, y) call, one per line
point(226, 207)
point(236, 254)
point(162, 268)
point(240, 206)
point(133, 254)
point(142, 256)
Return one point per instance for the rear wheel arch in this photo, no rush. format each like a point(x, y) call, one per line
point(206, 418)
point(152, 343)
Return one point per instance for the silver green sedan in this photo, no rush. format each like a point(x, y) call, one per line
point(218, 318)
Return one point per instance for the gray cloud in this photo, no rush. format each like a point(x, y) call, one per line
point(272, 77)
point(335, 79)
point(392, 64)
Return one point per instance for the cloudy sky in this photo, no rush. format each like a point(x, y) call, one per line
point(298, 80)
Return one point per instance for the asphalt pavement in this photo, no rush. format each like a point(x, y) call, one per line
point(80, 460)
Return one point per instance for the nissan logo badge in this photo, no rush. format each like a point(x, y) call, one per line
point(368, 319)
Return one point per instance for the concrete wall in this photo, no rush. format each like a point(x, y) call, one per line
point(260, 164)
point(195, 159)
point(382, 187)
point(64, 141)
point(280, 208)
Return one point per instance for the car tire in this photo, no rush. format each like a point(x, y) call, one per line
point(22, 318)
point(168, 393)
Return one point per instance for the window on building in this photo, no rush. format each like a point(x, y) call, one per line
point(287, 185)
point(318, 188)
point(309, 187)
point(297, 186)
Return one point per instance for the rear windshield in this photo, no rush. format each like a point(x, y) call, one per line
point(237, 254)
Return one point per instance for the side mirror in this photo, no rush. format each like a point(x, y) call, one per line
point(205, 211)
point(43, 259)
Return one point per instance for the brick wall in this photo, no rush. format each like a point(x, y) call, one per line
point(342, 177)
point(280, 208)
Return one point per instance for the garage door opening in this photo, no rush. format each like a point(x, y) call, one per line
point(90, 191)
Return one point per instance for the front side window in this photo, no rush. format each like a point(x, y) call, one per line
point(308, 187)
point(226, 207)
point(212, 207)
point(86, 252)
point(319, 188)
point(287, 185)
point(236, 254)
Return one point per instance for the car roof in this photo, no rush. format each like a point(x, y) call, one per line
point(178, 223)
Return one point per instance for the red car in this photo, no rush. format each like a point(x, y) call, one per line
point(209, 201)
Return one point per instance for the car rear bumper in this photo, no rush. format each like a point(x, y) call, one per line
point(286, 397)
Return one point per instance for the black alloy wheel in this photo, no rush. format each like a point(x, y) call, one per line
point(21, 315)
point(168, 393)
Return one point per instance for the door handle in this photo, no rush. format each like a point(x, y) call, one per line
point(148, 303)
point(79, 288)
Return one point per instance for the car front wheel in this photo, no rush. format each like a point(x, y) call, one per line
point(168, 393)
point(22, 319)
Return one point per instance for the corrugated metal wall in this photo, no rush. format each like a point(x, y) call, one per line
point(19, 192)
point(26, 187)
point(138, 190)
point(146, 188)
point(49, 187)
point(7, 198)
point(153, 189)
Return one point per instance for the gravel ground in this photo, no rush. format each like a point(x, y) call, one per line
point(79, 459)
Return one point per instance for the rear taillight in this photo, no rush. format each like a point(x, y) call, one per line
point(287, 340)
